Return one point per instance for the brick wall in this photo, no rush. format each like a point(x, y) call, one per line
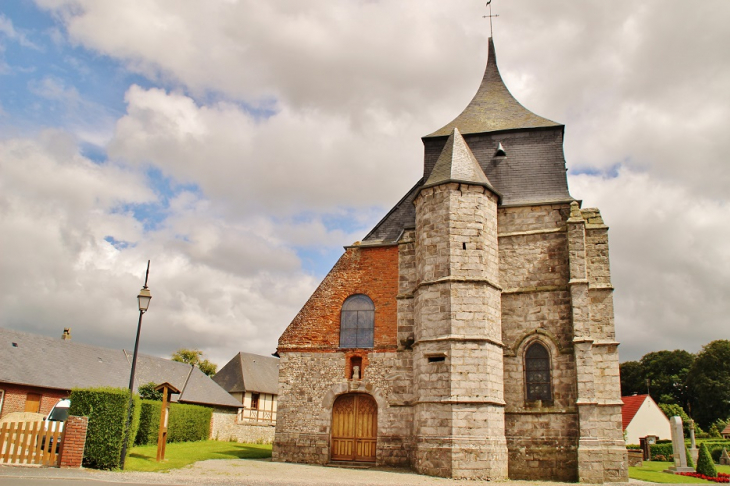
point(15, 397)
point(361, 270)
point(74, 440)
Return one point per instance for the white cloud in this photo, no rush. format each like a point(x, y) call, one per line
point(670, 266)
point(346, 89)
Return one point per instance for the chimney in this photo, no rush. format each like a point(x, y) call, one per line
point(66, 336)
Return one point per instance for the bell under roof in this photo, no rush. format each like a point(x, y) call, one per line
point(493, 107)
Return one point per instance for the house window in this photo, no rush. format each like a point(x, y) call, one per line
point(33, 403)
point(254, 401)
point(537, 373)
point(357, 322)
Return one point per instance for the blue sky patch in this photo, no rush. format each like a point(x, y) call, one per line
point(118, 244)
point(608, 172)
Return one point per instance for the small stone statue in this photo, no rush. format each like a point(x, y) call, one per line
point(724, 458)
point(355, 372)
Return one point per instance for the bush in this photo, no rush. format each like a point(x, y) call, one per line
point(187, 423)
point(149, 422)
point(107, 410)
point(663, 450)
point(690, 462)
point(704, 463)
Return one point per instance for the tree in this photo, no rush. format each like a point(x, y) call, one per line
point(708, 381)
point(672, 409)
point(148, 392)
point(194, 357)
point(705, 465)
point(667, 373)
point(632, 378)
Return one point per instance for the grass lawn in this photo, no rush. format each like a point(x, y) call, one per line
point(180, 454)
point(654, 471)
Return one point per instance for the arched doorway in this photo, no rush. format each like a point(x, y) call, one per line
point(354, 428)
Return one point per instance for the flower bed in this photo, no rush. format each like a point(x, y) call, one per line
point(721, 477)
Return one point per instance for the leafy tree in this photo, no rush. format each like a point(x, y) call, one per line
point(672, 409)
point(708, 382)
point(632, 378)
point(148, 392)
point(705, 465)
point(194, 357)
point(667, 373)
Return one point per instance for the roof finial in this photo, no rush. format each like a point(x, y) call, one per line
point(489, 4)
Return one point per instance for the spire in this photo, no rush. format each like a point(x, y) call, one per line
point(493, 107)
point(457, 164)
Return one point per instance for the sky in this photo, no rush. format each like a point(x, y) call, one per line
point(239, 145)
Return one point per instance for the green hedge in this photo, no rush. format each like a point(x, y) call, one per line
point(107, 411)
point(187, 423)
point(713, 446)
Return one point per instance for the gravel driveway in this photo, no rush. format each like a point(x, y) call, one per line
point(253, 472)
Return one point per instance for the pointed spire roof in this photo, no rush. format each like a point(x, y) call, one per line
point(457, 164)
point(493, 107)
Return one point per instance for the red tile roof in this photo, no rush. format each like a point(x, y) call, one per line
point(631, 406)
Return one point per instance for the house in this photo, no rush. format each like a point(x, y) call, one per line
point(726, 432)
point(37, 371)
point(253, 380)
point(470, 334)
point(641, 416)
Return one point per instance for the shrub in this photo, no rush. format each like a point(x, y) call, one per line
point(690, 462)
point(107, 410)
point(187, 423)
point(704, 463)
point(664, 450)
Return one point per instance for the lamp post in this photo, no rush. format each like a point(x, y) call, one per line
point(143, 299)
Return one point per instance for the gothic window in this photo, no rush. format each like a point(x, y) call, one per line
point(357, 322)
point(537, 373)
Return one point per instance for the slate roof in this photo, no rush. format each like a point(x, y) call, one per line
point(493, 107)
point(533, 171)
point(250, 372)
point(457, 164)
point(45, 362)
point(632, 404)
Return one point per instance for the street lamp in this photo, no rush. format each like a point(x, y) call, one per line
point(143, 300)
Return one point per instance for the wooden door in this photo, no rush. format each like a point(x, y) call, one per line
point(33, 403)
point(354, 428)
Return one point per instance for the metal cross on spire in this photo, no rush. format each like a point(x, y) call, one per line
point(489, 4)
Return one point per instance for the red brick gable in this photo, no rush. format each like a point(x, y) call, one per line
point(361, 270)
point(631, 406)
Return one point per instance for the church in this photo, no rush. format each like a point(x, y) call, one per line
point(470, 334)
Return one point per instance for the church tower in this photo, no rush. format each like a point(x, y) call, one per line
point(457, 359)
point(470, 334)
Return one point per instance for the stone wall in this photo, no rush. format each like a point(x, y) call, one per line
point(542, 437)
point(309, 383)
point(224, 427)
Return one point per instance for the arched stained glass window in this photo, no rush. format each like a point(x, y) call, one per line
point(537, 373)
point(357, 322)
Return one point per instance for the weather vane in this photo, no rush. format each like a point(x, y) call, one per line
point(489, 4)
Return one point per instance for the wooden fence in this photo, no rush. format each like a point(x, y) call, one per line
point(30, 442)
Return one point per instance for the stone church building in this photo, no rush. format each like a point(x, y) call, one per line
point(470, 334)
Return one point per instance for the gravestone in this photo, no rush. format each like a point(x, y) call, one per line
point(724, 458)
point(680, 459)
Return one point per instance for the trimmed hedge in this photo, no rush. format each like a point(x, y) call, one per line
point(107, 410)
point(187, 423)
point(666, 451)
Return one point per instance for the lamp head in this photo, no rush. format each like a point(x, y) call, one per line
point(144, 298)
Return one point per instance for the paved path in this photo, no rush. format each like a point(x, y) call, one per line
point(237, 472)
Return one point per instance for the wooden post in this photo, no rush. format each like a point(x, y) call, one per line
point(167, 390)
